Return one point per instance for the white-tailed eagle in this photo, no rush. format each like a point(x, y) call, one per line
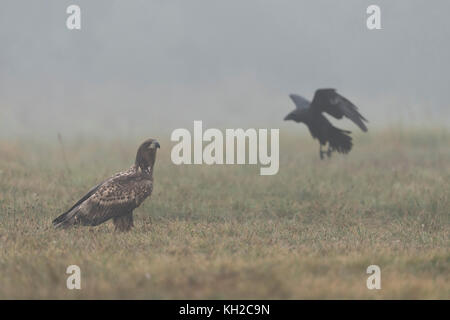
point(116, 197)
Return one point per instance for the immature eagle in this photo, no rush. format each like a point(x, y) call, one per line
point(116, 197)
point(310, 113)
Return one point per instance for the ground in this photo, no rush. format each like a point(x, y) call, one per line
point(225, 231)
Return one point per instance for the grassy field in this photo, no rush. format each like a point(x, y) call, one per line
point(226, 232)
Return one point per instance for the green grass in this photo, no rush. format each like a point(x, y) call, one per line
point(226, 232)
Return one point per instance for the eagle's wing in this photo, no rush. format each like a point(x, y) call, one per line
point(114, 197)
point(329, 101)
point(60, 218)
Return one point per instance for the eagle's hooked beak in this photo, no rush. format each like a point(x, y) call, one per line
point(156, 145)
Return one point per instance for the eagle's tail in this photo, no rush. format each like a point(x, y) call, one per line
point(70, 217)
point(340, 140)
point(66, 220)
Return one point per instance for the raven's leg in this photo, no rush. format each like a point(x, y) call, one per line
point(329, 151)
point(321, 152)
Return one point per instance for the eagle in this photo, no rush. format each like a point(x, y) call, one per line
point(116, 197)
point(310, 113)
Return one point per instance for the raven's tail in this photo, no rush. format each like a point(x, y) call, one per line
point(340, 140)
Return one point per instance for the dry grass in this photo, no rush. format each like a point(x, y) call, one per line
point(225, 232)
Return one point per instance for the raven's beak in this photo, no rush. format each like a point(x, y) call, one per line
point(288, 117)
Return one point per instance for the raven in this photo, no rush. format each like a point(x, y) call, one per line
point(310, 113)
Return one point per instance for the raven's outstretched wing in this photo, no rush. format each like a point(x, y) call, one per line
point(300, 102)
point(329, 101)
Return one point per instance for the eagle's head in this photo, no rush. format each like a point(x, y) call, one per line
point(146, 154)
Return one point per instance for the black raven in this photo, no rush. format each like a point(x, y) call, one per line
point(310, 113)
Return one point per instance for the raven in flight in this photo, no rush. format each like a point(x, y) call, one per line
point(310, 113)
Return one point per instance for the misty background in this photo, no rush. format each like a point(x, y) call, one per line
point(140, 67)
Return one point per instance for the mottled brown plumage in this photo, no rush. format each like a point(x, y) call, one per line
point(116, 197)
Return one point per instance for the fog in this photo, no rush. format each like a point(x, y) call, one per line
point(143, 67)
